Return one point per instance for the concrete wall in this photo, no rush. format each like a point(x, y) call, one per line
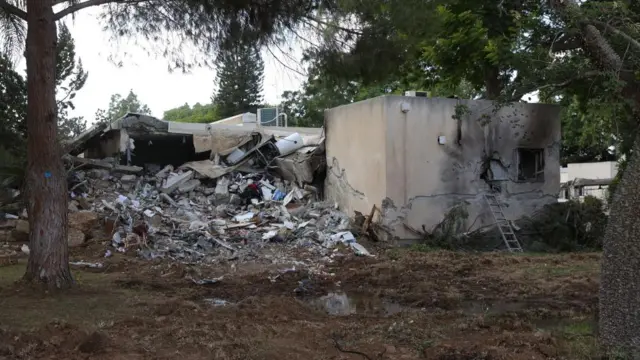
point(592, 170)
point(106, 146)
point(356, 155)
point(425, 179)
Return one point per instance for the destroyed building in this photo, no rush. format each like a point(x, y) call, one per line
point(206, 192)
point(150, 143)
point(416, 158)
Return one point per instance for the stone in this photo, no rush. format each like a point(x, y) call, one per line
point(98, 174)
point(73, 206)
point(222, 190)
point(8, 224)
point(75, 237)
point(22, 226)
point(209, 191)
point(83, 220)
point(175, 180)
point(189, 186)
point(235, 199)
point(164, 172)
point(128, 178)
point(5, 236)
point(83, 203)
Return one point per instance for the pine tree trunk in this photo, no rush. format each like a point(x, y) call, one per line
point(46, 178)
point(619, 325)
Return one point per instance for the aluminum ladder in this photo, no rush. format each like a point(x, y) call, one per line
point(504, 226)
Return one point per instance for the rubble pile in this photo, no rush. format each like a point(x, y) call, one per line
point(185, 216)
point(229, 207)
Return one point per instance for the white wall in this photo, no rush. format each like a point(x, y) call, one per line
point(592, 170)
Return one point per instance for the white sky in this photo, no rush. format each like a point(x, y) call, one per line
point(149, 77)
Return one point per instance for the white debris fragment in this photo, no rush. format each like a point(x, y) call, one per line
point(243, 217)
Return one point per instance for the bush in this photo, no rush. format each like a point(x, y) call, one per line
point(564, 227)
point(448, 233)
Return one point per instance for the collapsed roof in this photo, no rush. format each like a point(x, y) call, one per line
point(210, 149)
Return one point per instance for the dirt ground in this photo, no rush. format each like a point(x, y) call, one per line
point(403, 304)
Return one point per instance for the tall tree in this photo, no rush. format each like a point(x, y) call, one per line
point(119, 107)
point(240, 73)
point(202, 23)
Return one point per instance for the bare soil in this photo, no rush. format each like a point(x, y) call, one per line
point(405, 305)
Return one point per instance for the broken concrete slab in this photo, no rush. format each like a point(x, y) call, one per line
point(101, 164)
point(128, 178)
point(221, 192)
point(175, 180)
point(189, 186)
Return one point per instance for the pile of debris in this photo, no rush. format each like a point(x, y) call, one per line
point(188, 217)
point(236, 192)
point(194, 214)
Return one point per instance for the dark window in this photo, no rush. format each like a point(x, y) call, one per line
point(530, 164)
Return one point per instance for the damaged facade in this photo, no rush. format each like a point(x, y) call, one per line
point(417, 158)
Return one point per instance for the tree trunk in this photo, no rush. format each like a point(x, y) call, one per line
point(619, 325)
point(46, 177)
point(492, 83)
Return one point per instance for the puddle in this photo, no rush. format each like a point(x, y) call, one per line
point(340, 304)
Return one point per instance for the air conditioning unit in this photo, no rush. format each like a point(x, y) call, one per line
point(416, 93)
point(268, 117)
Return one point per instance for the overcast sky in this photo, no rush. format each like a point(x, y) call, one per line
point(149, 77)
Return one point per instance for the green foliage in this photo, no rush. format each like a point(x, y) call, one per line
point(570, 226)
point(448, 233)
point(212, 26)
point(119, 107)
point(306, 107)
point(197, 114)
point(240, 73)
point(70, 78)
point(13, 105)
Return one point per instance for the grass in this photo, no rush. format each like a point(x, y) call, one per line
point(95, 301)
point(578, 339)
point(554, 270)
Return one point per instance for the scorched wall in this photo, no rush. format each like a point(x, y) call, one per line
point(416, 158)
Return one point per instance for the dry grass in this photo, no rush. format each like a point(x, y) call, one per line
point(409, 305)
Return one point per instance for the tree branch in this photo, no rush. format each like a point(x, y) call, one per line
point(89, 3)
point(347, 30)
point(635, 43)
point(13, 10)
point(523, 90)
point(569, 44)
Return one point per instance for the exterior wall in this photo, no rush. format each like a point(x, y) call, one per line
point(564, 175)
point(108, 145)
point(356, 155)
point(240, 119)
point(592, 170)
point(425, 179)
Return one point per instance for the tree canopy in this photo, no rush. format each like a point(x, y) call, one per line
point(197, 114)
point(119, 106)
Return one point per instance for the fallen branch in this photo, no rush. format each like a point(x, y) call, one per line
point(336, 343)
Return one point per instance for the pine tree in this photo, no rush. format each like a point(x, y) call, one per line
point(239, 79)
